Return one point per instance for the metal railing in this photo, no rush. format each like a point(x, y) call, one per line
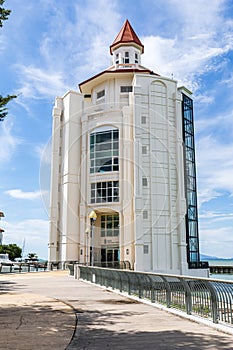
point(22, 267)
point(123, 265)
point(210, 299)
point(16, 267)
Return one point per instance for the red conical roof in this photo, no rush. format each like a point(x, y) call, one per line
point(126, 35)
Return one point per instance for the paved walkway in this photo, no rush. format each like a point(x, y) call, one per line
point(53, 311)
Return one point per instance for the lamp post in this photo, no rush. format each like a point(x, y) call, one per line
point(87, 233)
point(92, 217)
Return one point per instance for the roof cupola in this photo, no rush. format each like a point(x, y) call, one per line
point(126, 48)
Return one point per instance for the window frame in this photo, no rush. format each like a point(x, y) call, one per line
point(145, 249)
point(126, 57)
point(127, 88)
point(144, 150)
point(109, 225)
point(104, 151)
point(144, 119)
point(144, 181)
point(100, 94)
point(104, 192)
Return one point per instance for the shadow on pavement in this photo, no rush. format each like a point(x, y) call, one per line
point(93, 333)
point(6, 286)
point(45, 325)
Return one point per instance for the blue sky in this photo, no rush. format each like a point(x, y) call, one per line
point(49, 46)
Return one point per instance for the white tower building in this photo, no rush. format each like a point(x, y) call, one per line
point(123, 147)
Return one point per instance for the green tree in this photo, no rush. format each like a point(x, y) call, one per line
point(4, 14)
point(32, 256)
point(3, 103)
point(13, 250)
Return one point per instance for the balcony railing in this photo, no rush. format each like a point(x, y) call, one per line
point(126, 65)
point(206, 298)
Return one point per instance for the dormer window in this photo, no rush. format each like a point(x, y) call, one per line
point(117, 58)
point(136, 58)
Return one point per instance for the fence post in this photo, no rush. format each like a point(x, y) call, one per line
point(76, 272)
point(140, 293)
point(188, 296)
point(118, 272)
point(168, 291)
point(214, 300)
point(129, 284)
point(152, 291)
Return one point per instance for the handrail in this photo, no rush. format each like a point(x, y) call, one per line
point(207, 298)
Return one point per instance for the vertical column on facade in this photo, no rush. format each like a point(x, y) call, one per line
point(71, 168)
point(137, 164)
point(172, 260)
point(171, 232)
point(55, 183)
point(84, 195)
point(174, 175)
point(160, 199)
point(181, 198)
point(127, 181)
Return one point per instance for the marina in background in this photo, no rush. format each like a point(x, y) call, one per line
point(219, 265)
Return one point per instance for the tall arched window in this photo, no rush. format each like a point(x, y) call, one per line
point(104, 151)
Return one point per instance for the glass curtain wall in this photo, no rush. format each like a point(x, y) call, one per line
point(193, 254)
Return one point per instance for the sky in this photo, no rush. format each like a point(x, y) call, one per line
point(49, 46)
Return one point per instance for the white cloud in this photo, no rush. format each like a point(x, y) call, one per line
point(214, 217)
point(8, 142)
point(205, 99)
point(214, 149)
point(19, 194)
point(215, 168)
point(228, 81)
point(44, 152)
point(70, 50)
point(211, 239)
point(201, 37)
point(102, 23)
point(34, 232)
point(45, 173)
point(39, 83)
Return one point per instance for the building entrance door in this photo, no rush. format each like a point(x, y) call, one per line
point(109, 256)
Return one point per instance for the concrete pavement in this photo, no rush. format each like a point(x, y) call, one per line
point(51, 310)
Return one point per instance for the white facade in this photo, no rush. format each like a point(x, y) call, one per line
point(118, 150)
